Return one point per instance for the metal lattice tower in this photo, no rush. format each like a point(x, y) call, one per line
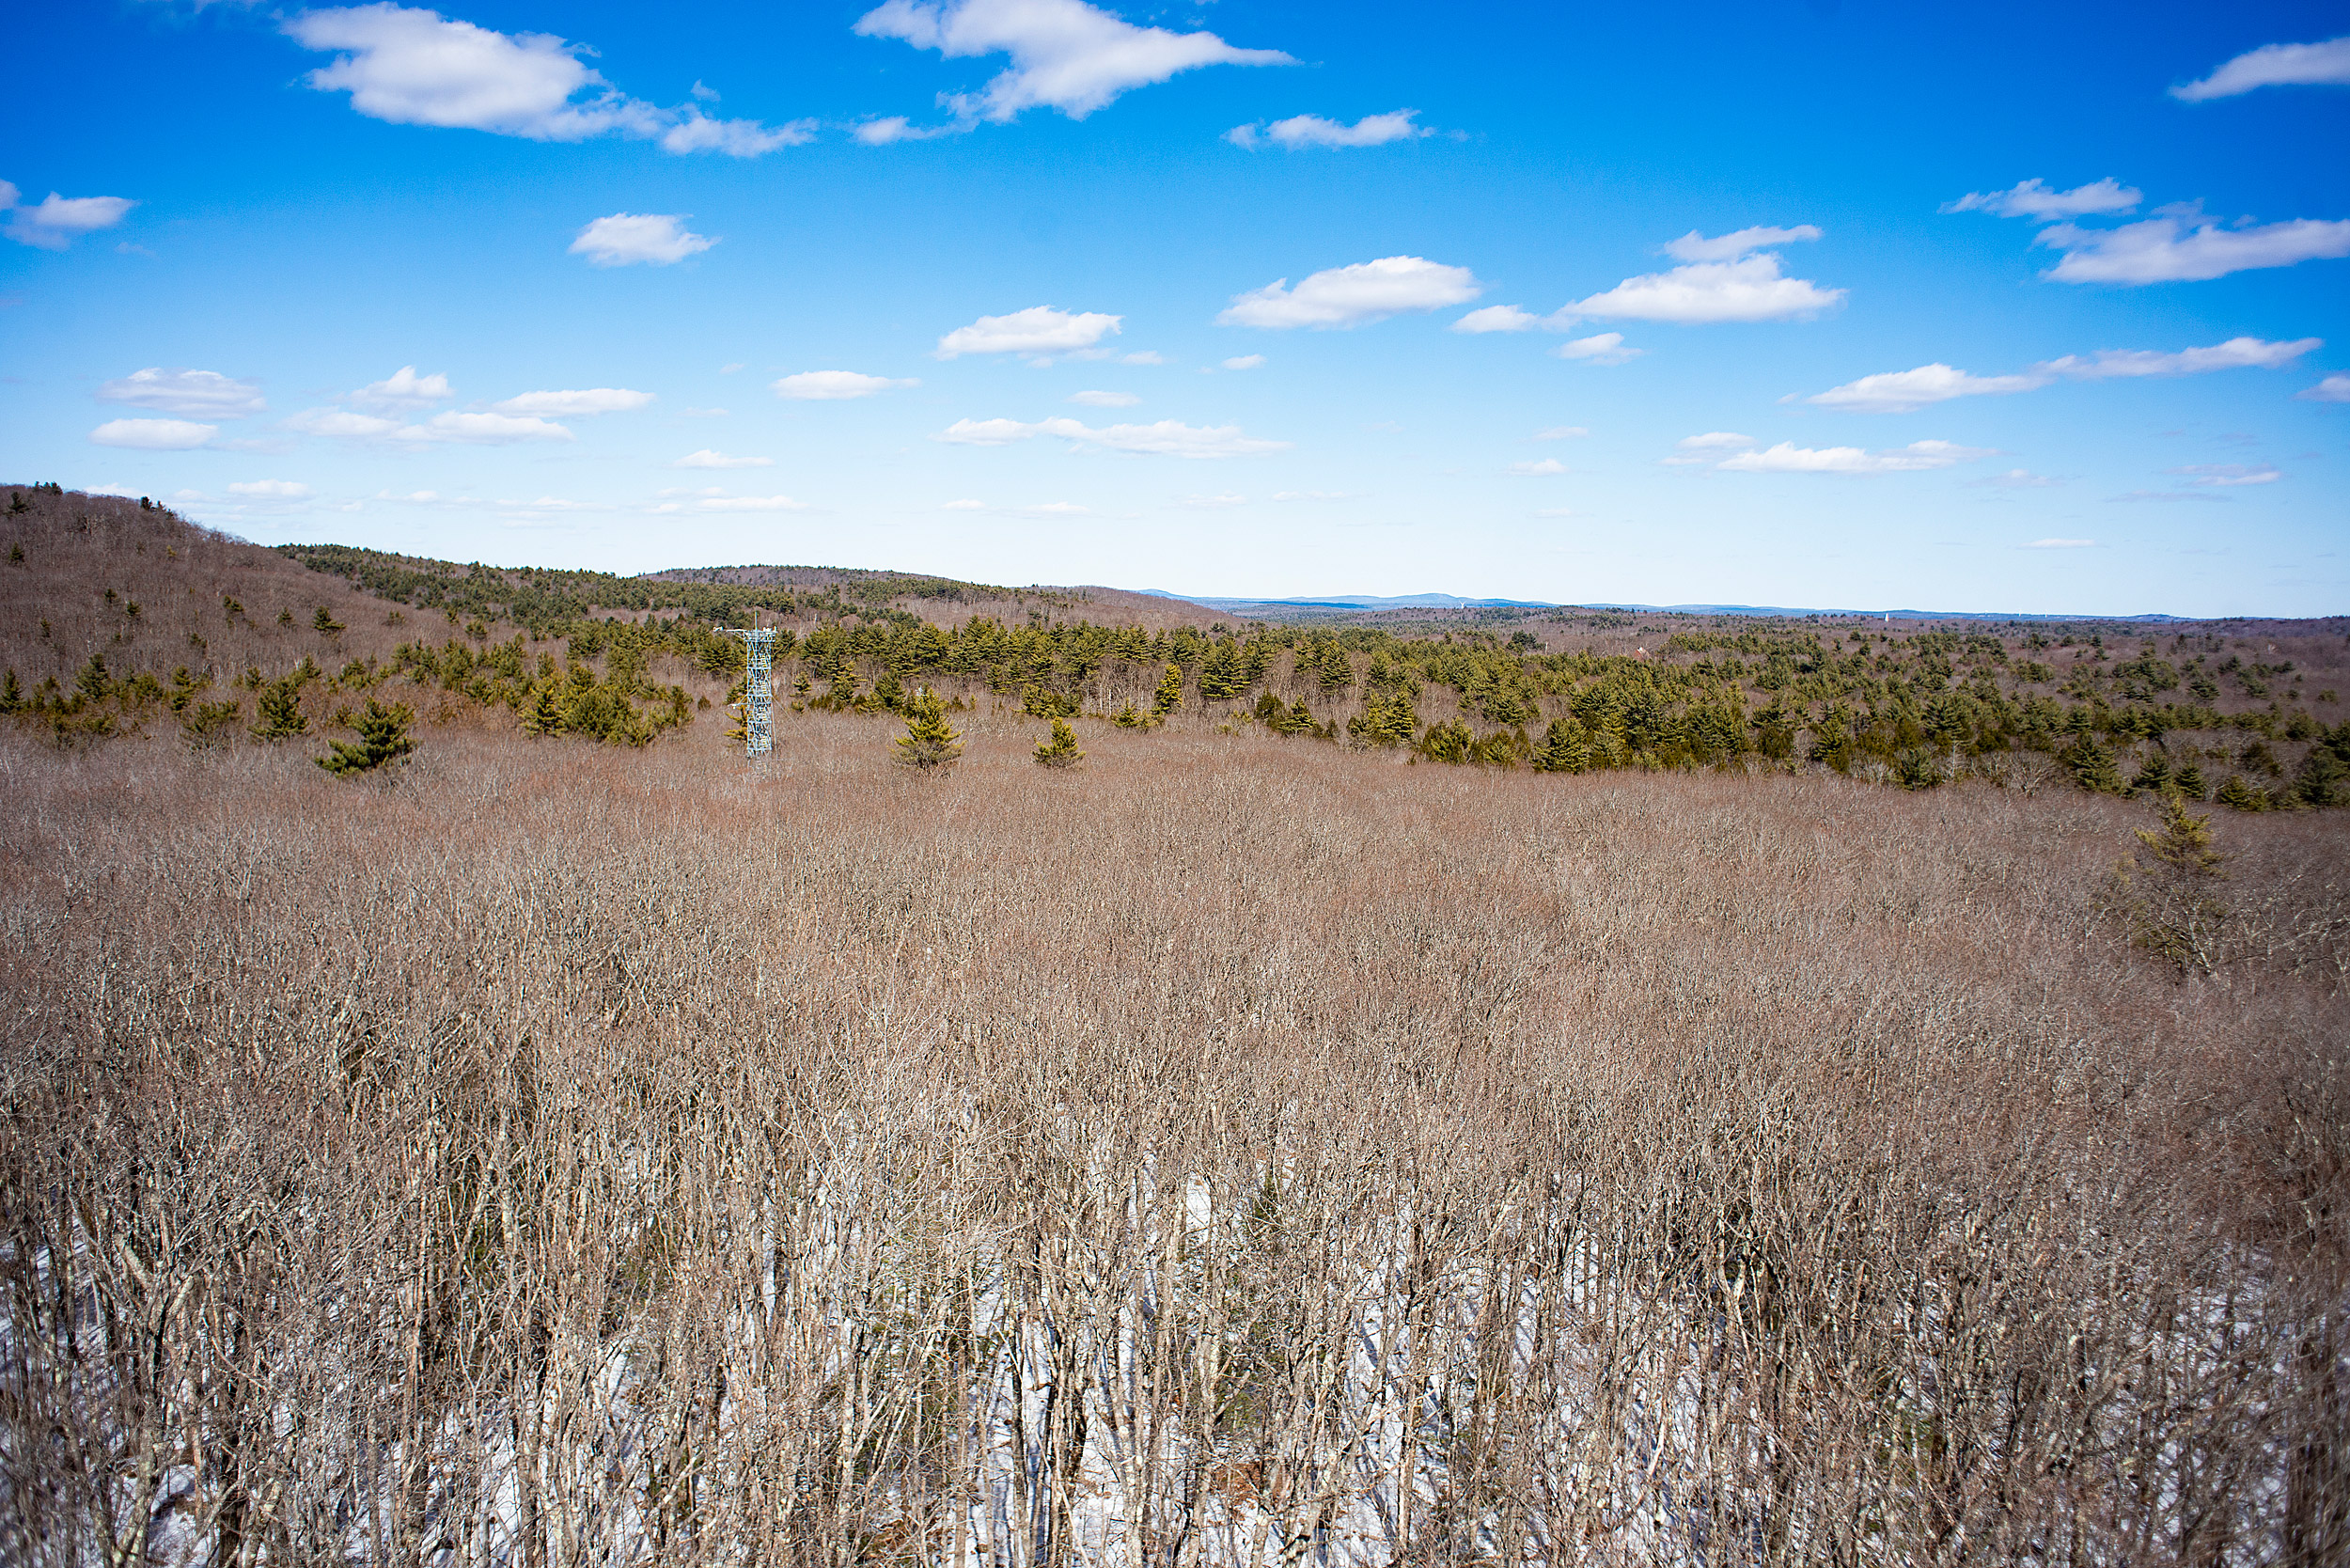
point(758, 725)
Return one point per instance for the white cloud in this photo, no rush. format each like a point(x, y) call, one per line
point(625, 238)
point(479, 430)
point(1143, 356)
point(1560, 432)
point(2017, 478)
point(1899, 391)
point(1748, 289)
point(1788, 458)
point(749, 503)
point(1902, 391)
point(2275, 65)
point(1065, 55)
point(1714, 440)
point(1499, 318)
point(709, 459)
point(832, 386)
point(1054, 508)
point(58, 221)
point(1243, 362)
point(2060, 544)
point(1214, 503)
point(402, 391)
point(1605, 349)
point(1542, 468)
point(272, 490)
point(897, 128)
point(2034, 199)
point(338, 422)
point(1350, 296)
point(702, 413)
point(965, 505)
point(1693, 246)
point(415, 67)
point(2333, 389)
point(2234, 355)
point(1314, 130)
point(206, 392)
point(1039, 329)
point(153, 435)
point(1165, 438)
point(2165, 249)
point(1104, 399)
point(577, 404)
point(2229, 475)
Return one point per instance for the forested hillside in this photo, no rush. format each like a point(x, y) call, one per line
point(110, 632)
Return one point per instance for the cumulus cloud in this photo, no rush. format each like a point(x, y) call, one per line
point(627, 238)
point(272, 490)
point(2034, 199)
point(60, 220)
point(1714, 440)
point(1544, 468)
point(1501, 317)
point(1351, 296)
point(1313, 131)
point(153, 435)
point(1142, 357)
point(1607, 347)
point(1065, 55)
point(1788, 458)
point(570, 405)
point(1693, 246)
point(338, 422)
point(2181, 245)
point(1243, 362)
point(1038, 330)
point(2017, 478)
point(2274, 64)
point(1104, 399)
point(897, 128)
point(1165, 438)
point(832, 386)
point(415, 67)
point(2333, 389)
point(2236, 353)
point(706, 457)
point(1902, 391)
point(206, 392)
point(402, 390)
point(479, 430)
point(1751, 289)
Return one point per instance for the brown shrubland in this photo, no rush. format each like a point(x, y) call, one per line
point(1233, 1152)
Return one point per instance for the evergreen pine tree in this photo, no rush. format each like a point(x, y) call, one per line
point(1130, 717)
point(11, 695)
point(2092, 768)
point(383, 738)
point(2169, 893)
point(544, 713)
point(325, 624)
point(1170, 696)
point(1563, 750)
point(1060, 749)
point(2153, 775)
point(930, 742)
point(278, 708)
point(2188, 781)
point(2237, 795)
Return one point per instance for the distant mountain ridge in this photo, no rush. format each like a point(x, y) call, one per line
point(1371, 602)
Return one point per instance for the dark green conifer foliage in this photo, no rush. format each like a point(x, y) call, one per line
point(544, 715)
point(2188, 781)
point(2238, 795)
point(1130, 717)
point(1059, 749)
point(2170, 894)
point(2324, 776)
point(2153, 775)
point(11, 695)
point(325, 624)
point(383, 738)
point(930, 743)
point(1916, 769)
point(278, 711)
point(208, 724)
point(2092, 767)
point(1387, 719)
point(1170, 694)
point(1563, 748)
point(1448, 742)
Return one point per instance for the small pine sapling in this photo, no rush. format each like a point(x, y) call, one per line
point(325, 624)
point(2170, 894)
point(278, 710)
point(930, 743)
point(383, 738)
point(1059, 750)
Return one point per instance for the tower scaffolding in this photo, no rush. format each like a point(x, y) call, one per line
point(758, 725)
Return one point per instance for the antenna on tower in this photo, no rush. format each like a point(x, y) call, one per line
point(758, 725)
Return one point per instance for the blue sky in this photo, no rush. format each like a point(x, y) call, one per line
point(1996, 307)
